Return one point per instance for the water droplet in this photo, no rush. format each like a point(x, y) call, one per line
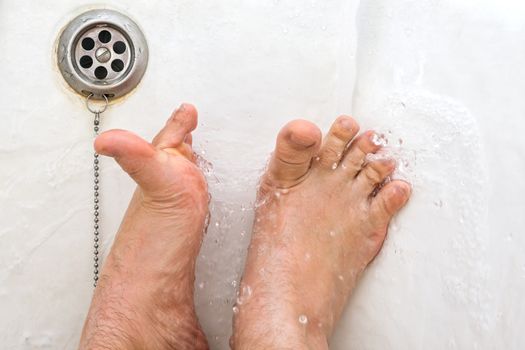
point(343, 166)
point(235, 310)
point(332, 233)
point(247, 291)
point(378, 140)
point(201, 285)
point(341, 278)
point(317, 159)
point(303, 319)
point(285, 190)
point(307, 256)
point(203, 164)
point(393, 226)
point(334, 166)
point(277, 194)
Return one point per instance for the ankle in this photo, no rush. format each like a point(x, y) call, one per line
point(109, 326)
point(126, 314)
point(267, 325)
point(114, 323)
point(277, 337)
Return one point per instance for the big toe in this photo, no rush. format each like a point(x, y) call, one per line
point(135, 156)
point(297, 142)
point(388, 201)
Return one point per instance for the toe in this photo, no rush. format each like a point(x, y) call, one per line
point(341, 133)
point(182, 122)
point(135, 155)
point(389, 200)
point(354, 160)
point(296, 144)
point(374, 173)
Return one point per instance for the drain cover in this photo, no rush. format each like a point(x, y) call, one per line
point(102, 52)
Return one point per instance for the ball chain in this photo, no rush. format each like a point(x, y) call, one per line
point(96, 185)
point(96, 203)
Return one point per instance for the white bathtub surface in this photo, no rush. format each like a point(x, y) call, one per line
point(443, 80)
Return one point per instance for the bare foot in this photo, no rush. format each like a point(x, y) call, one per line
point(144, 298)
point(320, 221)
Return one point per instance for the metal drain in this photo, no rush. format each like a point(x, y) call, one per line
point(102, 52)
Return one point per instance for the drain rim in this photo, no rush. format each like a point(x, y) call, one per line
point(73, 75)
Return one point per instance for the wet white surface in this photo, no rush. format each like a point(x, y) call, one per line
point(442, 80)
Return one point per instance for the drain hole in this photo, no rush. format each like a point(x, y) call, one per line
point(101, 72)
point(104, 36)
point(86, 61)
point(88, 44)
point(117, 65)
point(119, 47)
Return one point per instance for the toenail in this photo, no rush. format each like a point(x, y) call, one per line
point(403, 190)
point(391, 163)
point(346, 124)
point(301, 141)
